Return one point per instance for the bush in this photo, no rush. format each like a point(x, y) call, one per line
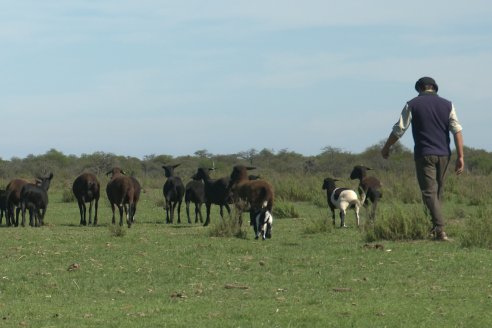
point(229, 228)
point(478, 230)
point(68, 196)
point(116, 230)
point(397, 223)
point(285, 210)
point(319, 225)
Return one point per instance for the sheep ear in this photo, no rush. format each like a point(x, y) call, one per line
point(250, 168)
point(368, 168)
point(175, 166)
point(51, 176)
point(211, 168)
point(123, 172)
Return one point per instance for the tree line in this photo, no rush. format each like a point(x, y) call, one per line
point(332, 161)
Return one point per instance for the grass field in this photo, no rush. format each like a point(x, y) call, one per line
point(158, 275)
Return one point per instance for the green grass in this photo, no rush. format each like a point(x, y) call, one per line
point(158, 275)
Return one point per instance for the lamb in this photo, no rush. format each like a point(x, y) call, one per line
point(35, 198)
point(86, 188)
point(258, 195)
point(216, 192)
point(124, 192)
point(341, 198)
point(173, 191)
point(195, 192)
point(368, 186)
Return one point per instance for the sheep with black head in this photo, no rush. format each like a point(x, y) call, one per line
point(34, 197)
point(341, 199)
point(216, 192)
point(173, 191)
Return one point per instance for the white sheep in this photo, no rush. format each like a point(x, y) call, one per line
point(341, 198)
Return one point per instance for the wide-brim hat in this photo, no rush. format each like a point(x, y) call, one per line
point(423, 81)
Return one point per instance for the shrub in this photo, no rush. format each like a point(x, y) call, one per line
point(318, 225)
point(478, 230)
point(229, 228)
point(285, 210)
point(116, 230)
point(397, 223)
point(68, 196)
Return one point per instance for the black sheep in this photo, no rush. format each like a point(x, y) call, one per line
point(173, 191)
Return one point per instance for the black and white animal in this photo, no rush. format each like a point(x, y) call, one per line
point(263, 221)
point(368, 186)
point(258, 195)
point(34, 198)
point(195, 193)
point(173, 191)
point(342, 199)
point(123, 192)
point(86, 189)
point(216, 192)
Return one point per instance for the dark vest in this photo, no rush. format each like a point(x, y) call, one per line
point(430, 125)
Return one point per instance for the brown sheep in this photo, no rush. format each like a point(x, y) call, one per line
point(86, 188)
point(13, 201)
point(123, 192)
point(258, 194)
point(369, 188)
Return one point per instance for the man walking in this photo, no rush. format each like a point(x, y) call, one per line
point(432, 118)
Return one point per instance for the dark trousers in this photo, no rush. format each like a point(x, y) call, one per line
point(431, 172)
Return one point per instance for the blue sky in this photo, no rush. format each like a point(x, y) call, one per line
point(149, 77)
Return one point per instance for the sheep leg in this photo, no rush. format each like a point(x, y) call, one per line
point(96, 204)
point(333, 216)
point(41, 217)
point(207, 220)
point(256, 224)
point(179, 212)
point(23, 209)
point(37, 217)
point(187, 204)
point(198, 209)
point(221, 211)
point(112, 209)
point(173, 207)
point(82, 211)
point(9, 215)
point(342, 218)
point(372, 215)
point(120, 209)
point(17, 212)
point(32, 213)
point(129, 216)
point(90, 213)
point(357, 215)
point(134, 212)
point(228, 208)
point(166, 205)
